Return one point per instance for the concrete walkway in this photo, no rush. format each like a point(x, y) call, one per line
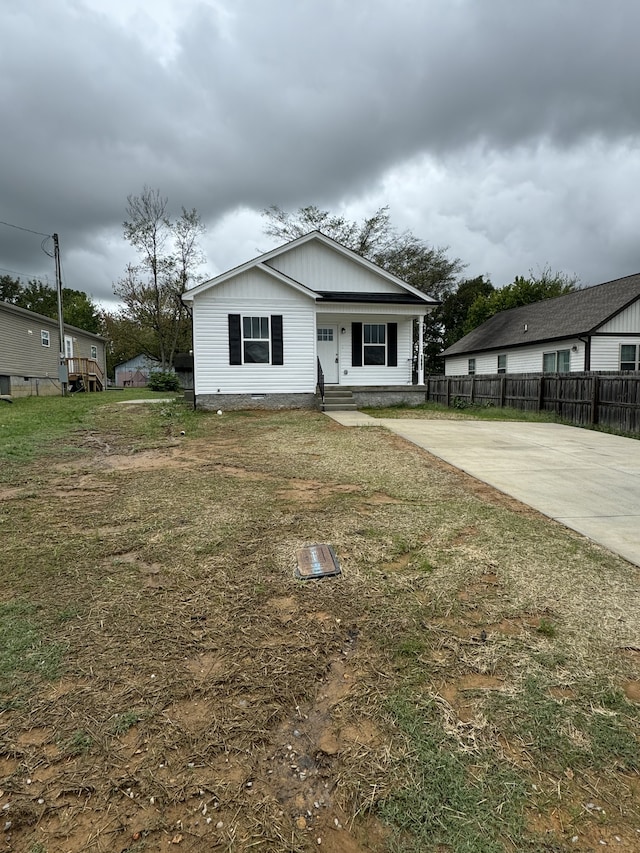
point(588, 481)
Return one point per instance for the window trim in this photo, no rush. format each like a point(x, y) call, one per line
point(45, 335)
point(636, 357)
point(556, 360)
point(260, 338)
point(236, 339)
point(471, 366)
point(371, 345)
point(94, 352)
point(503, 368)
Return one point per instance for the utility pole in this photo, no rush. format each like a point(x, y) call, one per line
point(63, 373)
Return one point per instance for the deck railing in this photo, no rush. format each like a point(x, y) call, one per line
point(320, 381)
point(85, 367)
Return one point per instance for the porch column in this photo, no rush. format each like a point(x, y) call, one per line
point(420, 351)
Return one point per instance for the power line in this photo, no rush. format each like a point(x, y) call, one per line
point(24, 274)
point(20, 228)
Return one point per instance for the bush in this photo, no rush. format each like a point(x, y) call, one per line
point(163, 381)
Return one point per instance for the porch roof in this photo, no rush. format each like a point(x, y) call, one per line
point(381, 298)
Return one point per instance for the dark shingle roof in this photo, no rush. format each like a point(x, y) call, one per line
point(576, 313)
point(382, 298)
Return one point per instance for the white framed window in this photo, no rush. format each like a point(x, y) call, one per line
point(94, 352)
point(256, 344)
point(502, 363)
point(374, 341)
point(471, 366)
point(556, 362)
point(45, 338)
point(629, 356)
point(325, 334)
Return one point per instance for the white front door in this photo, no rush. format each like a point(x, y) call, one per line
point(328, 353)
point(68, 346)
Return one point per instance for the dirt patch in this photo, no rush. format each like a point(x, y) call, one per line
point(632, 691)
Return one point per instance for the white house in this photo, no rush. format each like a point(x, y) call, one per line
point(593, 329)
point(307, 316)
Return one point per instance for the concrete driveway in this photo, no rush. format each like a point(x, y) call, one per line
point(589, 481)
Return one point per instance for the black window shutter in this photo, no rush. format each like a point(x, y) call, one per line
point(235, 340)
point(356, 344)
point(392, 344)
point(277, 347)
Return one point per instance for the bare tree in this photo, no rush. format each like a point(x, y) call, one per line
point(152, 289)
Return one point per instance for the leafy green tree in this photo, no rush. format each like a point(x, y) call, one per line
point(9, 289)
point(522, 291)
point(449, 319)
point(78, 309)
point(152, 289)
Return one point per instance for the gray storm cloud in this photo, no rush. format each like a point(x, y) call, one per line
point(288, 102)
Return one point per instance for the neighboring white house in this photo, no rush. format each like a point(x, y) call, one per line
point(261, 330)
point(593, 329)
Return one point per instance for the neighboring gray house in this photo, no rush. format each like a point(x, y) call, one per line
point(307, 315)
point(593, 329)
point(30, 354)
point(135, 372)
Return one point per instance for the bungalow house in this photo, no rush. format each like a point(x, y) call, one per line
point(30, 355)
point(302, 322)
point(593, 329)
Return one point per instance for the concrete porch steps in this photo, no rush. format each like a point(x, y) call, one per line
point(338, 400)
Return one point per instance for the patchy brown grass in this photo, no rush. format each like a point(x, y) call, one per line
point(175, 688)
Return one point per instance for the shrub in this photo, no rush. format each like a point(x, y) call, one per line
point(163, 381)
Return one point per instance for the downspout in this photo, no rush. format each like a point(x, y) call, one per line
point(420, 350)
point(587, 352)
point(190, 313)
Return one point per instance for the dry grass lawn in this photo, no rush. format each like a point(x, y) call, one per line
point(469, 683)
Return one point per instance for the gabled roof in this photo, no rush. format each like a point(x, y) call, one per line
point(261, 262)
point(578, 313)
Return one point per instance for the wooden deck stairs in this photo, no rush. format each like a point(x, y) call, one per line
point(338, 400)
point(85, 374)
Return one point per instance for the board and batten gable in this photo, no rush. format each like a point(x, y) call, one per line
point(321, 267)
point(254, 293)
point(627, 321)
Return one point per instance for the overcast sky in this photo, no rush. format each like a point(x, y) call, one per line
point(506, 130)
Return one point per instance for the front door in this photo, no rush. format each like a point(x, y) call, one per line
point(68, 346)
point(328, 353)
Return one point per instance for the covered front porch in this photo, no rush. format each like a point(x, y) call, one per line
point(366, 349)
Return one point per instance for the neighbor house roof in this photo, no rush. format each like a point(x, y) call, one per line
point(261, 263)
point(9, 307)
point(580, 312)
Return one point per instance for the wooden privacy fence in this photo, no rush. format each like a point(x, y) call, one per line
point(607, 399)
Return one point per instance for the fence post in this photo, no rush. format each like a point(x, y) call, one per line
point(595, 388)
point(502, 391)
point(540, 392)
point(473, 388)
point(448, 392)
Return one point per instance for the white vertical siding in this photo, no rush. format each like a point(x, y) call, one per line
point(254, 293)
point(322, 268)
point(626, 321)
